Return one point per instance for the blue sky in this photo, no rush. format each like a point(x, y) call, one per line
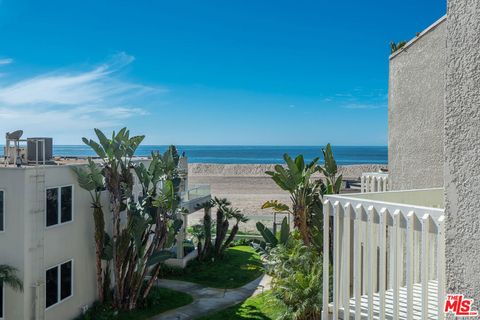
point(204, 72)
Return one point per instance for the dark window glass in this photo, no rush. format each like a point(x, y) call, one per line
point(52, 207)
point(1, 299)
point(51, 286)
point(66, 204)
point(2, 213)
point(66, 280)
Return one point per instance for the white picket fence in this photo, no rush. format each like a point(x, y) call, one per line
point(388, 258)
point(374, 182)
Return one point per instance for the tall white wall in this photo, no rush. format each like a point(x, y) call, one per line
point(462, 148)
point(12, 241)
point(415, 111)
point(25, 230)
point(73, 240)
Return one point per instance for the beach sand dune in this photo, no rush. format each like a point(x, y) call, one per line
point(248, 187)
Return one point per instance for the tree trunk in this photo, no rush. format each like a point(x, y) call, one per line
point(207, 226)
point(230, 238)
point(151, 281)
point(117, 263)
point(300, 221)
point(199, 250)
point(99, 239)
point(220, 237)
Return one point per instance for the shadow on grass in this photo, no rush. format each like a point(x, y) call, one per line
point(239, 266)
point(259, 307)
point(251, 312)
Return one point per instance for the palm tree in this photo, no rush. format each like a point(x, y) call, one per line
point(233, 213)
point(8, 276)
point(222, 224)
point(204, 231)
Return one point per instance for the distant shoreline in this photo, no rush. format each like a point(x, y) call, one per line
point(344, 155)
point(258, 170)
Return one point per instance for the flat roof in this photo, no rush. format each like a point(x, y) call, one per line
point(61, 161)
point(420, 35)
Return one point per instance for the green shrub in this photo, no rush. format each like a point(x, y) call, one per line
point(99, 311)
point(188, 247)
point(297, 280)
point(159, 300)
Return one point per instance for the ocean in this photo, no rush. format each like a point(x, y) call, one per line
point(344, 155)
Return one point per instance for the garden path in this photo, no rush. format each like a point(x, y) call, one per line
point(207, 300)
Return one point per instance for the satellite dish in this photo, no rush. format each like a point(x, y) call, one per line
point(15, 135)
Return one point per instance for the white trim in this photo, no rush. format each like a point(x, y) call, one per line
point(2, 316)
point(421, 34)
point(4, 214)
point(59, 284)
point(59, 206)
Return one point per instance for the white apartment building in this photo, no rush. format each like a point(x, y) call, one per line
point(46, 232)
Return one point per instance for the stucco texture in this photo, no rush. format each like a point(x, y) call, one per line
point(462, 149)
point(415, 115)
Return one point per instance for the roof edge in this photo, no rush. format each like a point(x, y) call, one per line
point(420, 35)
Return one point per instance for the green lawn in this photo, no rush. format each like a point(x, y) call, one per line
point(159, 300)
point(240, 265)
point(260, 307)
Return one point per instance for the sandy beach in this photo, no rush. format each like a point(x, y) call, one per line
point(248, 187)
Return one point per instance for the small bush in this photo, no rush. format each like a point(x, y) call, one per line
point(159, 300)
point(241, 242)
point(99, 311)
point(297, 280)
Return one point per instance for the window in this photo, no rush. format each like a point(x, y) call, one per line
point(59, 205)
point(2, 211)
point(58, 283)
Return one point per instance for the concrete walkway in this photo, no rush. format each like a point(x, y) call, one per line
point(208, 299)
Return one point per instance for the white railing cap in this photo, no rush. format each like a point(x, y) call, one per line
point(375, 174)
point(379, 204)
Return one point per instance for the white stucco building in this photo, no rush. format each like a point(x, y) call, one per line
point(46, 232)
point(397, 254)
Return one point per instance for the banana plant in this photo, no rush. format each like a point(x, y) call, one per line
point(271, 240)
point(330, 171)
point(295, 178)
point(90, 178)
point(306, 193)
point(140, 239)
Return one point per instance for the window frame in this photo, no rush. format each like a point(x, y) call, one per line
point(59, 283)
point(2, 315)
point(59, 206)
point(4, 214)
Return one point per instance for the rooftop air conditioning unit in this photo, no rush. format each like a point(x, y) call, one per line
point(37, 148)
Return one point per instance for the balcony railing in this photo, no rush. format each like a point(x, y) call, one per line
point(388, 255)
point(195, 192)
point(374, 182)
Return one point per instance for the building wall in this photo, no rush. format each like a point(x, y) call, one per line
point(415, 115)
point(462, 149)
point(12, 244)
point(32, 248)
point(73, 240)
